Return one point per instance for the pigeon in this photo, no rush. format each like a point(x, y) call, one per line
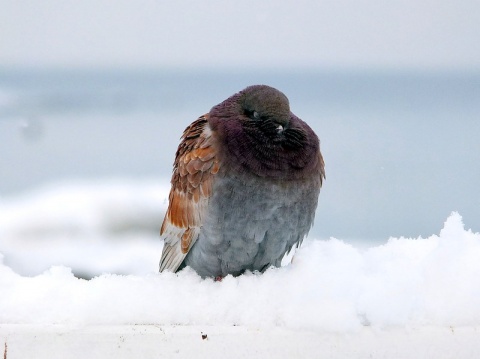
point(244, 189)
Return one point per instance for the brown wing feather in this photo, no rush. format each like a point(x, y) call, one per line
point(195, 165)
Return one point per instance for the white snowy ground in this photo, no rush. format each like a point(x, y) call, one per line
point(407, 298)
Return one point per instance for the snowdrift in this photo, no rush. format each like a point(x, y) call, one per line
point(330, 286)
point(333, 297)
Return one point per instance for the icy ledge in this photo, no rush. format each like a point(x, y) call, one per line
point(212, 342)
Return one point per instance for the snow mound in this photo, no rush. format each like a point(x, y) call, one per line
point(329, 286)
point(92, 227)
point(76, 208)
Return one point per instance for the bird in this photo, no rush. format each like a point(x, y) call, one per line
point(244, 189)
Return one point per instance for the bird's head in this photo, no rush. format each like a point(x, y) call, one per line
point(265, 108)
point(260, 132)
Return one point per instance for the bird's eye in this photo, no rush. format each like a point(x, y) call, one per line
point(254, 115)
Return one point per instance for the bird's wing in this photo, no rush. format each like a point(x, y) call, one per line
point(194, 170)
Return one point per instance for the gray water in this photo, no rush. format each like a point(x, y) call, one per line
point(402, 149)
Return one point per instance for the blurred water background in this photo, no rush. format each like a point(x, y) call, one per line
point(402, 148)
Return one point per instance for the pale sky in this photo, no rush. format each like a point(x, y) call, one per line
point(442, 34)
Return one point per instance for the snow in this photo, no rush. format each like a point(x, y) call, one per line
point(334, 291)
point(154, 341)
point(330, 286)
point(90, 226)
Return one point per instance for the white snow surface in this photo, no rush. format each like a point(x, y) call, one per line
point(90, 226)
point(331, 286)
